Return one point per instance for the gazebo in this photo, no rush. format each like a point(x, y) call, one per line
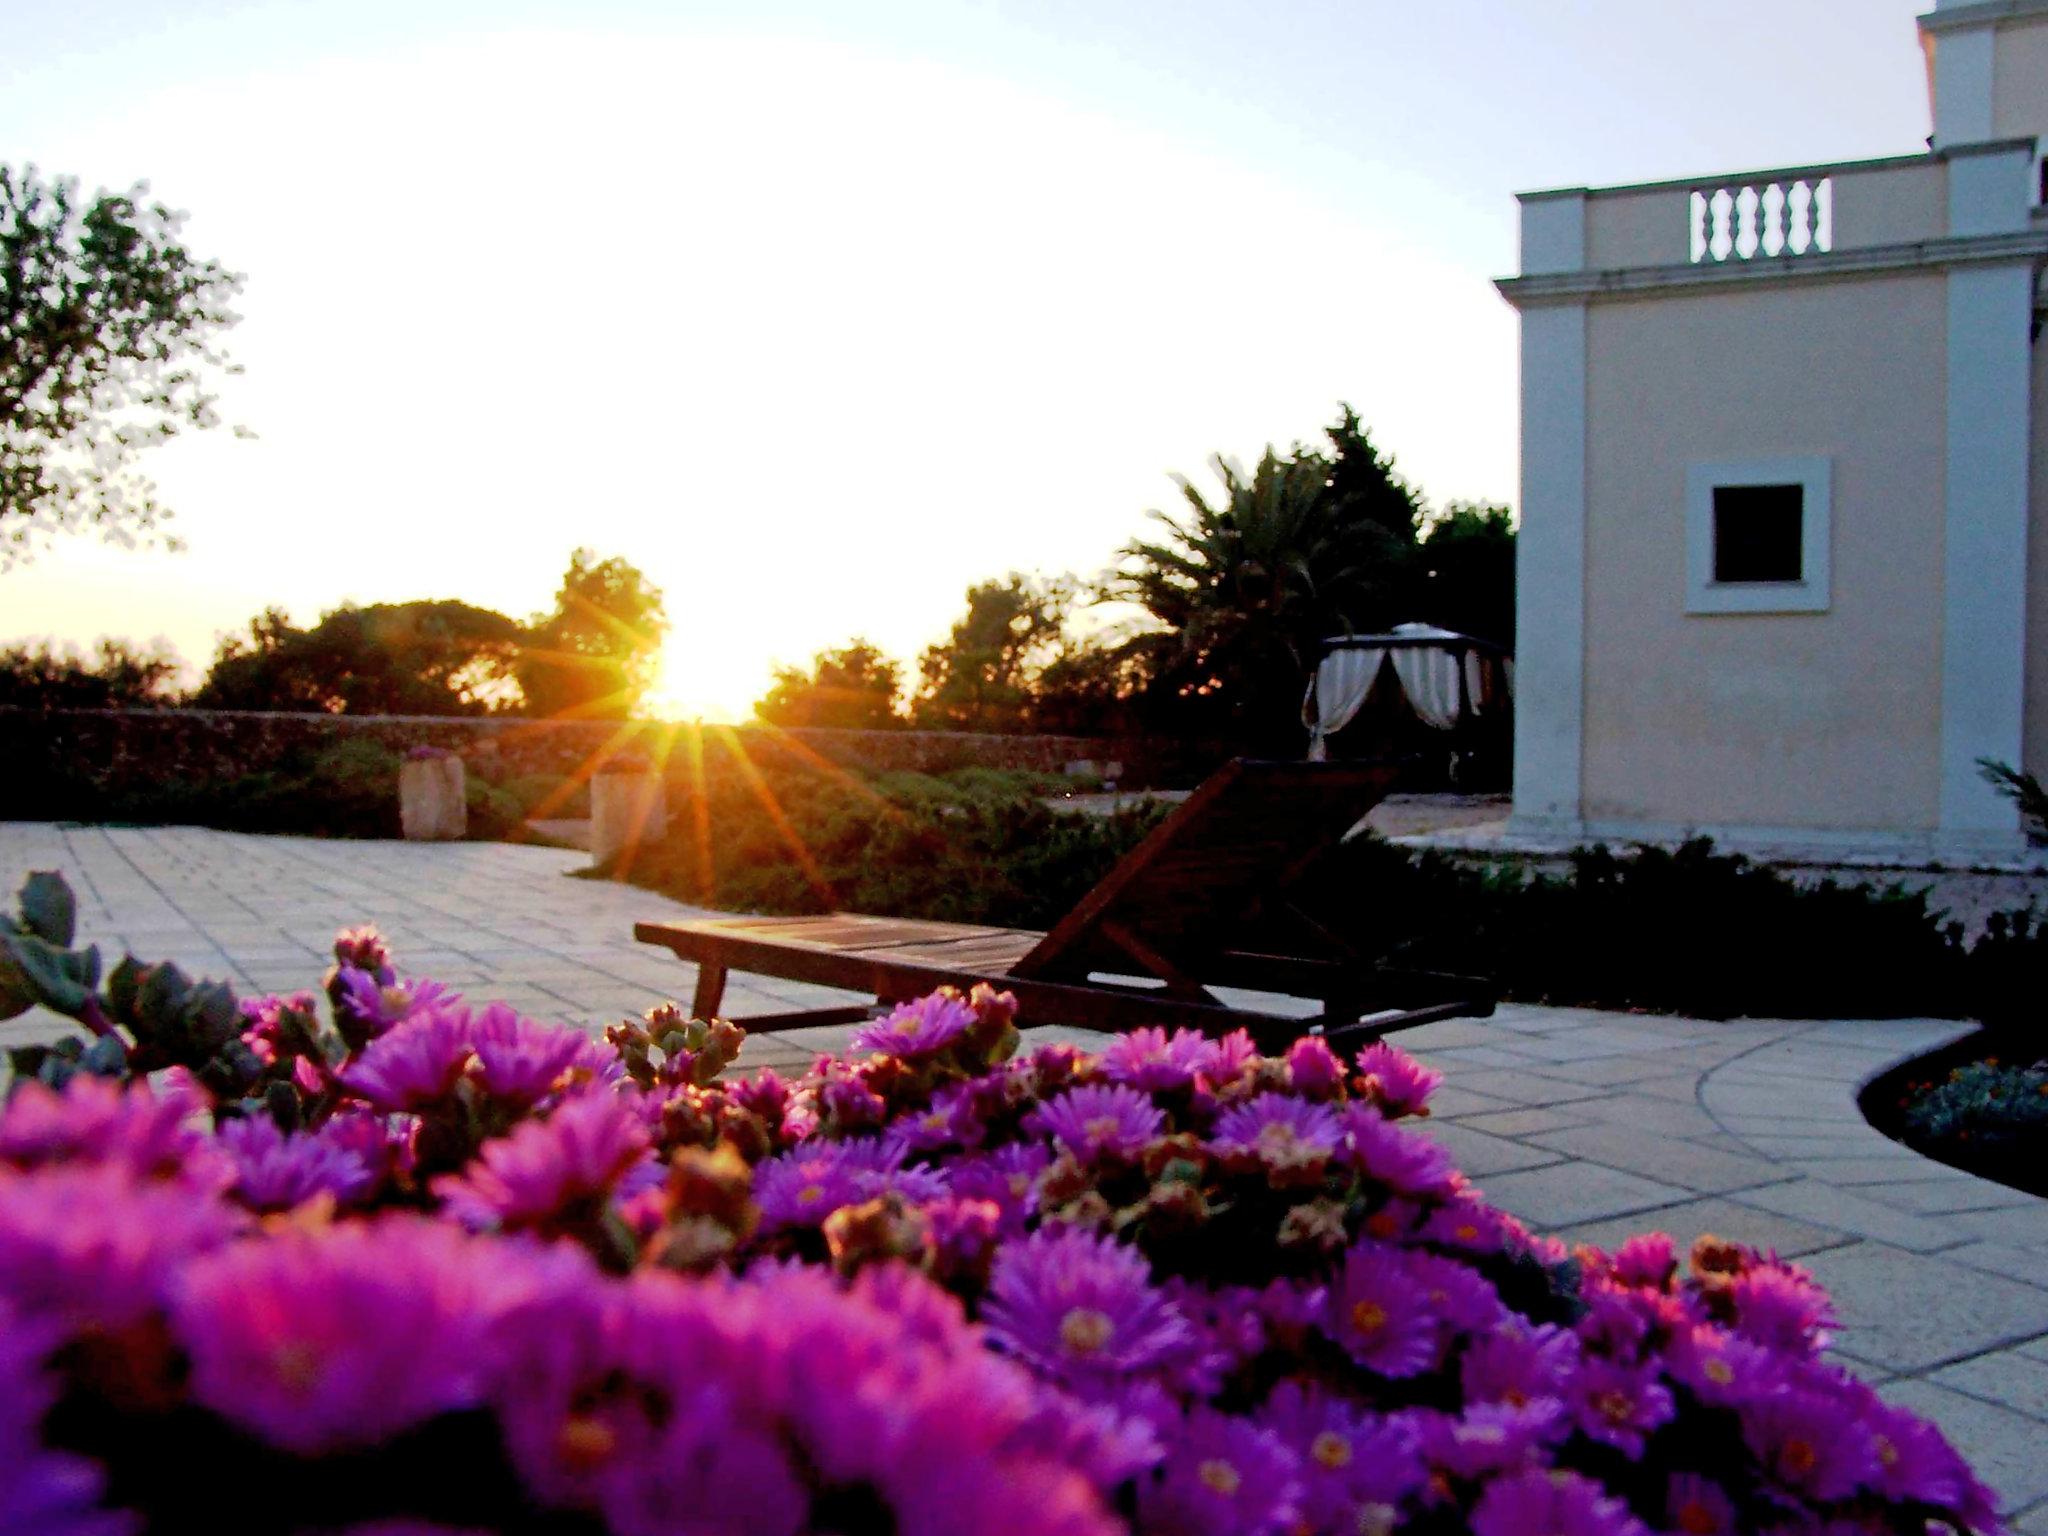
point(1445, 679)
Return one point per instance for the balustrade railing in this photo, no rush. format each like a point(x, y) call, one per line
point(1743, 223)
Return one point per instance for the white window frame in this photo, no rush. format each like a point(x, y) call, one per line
point(1810, 594)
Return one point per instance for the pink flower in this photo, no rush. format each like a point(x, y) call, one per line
point(1404, 1161)
point(1809, 1445)
point(1396, 1081)
point(1081, 1307)
point(1314, 1070)
point(559, 1171)
point(921, 1028)
point(1156, 1062)
point(414, 1066)
point(91, 1120)
point(317, 1343)
point(1620, 1405)
point(1538, 1503)
point(1099, 1121)
point(1380, 1312)
point(275, 1172)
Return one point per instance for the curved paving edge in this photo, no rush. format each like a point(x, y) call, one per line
point(1596, 1125)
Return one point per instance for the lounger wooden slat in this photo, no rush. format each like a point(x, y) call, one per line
point(1203, 902)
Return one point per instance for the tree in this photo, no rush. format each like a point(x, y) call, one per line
point(121, 676)
point(1468, 561)
point(422, 658)
point(853, 688)
point(1242, 590)
point(980, 677)
point(594, 656)
point(108, 328)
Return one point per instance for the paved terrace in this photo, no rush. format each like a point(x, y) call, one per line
point(1585, 1124)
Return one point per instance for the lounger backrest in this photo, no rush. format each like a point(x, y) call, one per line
point(1190, 885)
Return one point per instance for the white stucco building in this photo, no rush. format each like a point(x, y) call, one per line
point(1784, 549)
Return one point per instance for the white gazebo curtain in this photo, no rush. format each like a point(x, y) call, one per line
point(1335, 694)
point(1440, 682)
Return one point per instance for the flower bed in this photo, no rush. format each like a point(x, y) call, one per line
point(384, 1260)
point(1980, 1104)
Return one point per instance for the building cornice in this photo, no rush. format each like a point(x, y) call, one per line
point(1984, 12)
point(1930, 255)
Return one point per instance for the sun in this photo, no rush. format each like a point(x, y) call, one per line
point(694, 682)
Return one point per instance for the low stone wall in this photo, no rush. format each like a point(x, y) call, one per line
point(109, 753)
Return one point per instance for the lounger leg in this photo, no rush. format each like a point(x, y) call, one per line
point(710, 990)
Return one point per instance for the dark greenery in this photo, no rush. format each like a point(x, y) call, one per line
point(983, 675)
point(1988, 1102)
point(2024, 790)
point(420, 658)
point(118, 676)
point(1467, 556)
point(851, 688)
point(594, 655)
point(108, 330)
point(1687, 931)
point(972, 846)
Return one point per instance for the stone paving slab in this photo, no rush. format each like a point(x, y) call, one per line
point(1588, 1124)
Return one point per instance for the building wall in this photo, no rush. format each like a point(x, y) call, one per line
point(2037, 573)
point(1827, 720)
point(2019, 79)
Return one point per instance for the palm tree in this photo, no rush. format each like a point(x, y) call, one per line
point(1242, 588)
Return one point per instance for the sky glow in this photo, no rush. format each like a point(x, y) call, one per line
point(820, 313)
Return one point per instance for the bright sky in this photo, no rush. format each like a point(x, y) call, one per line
point(818, 311)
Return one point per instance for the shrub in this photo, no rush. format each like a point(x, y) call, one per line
point(384, 1257)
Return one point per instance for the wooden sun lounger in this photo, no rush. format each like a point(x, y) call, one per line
point(1203, 902)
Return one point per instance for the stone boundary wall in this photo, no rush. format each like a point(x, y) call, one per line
point(111, 752)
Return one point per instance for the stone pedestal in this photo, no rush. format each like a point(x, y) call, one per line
point(433, 804)
point(627, 810)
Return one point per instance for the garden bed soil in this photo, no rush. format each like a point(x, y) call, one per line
point(1885, 1098)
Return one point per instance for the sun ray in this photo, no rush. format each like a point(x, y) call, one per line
point(784, 828)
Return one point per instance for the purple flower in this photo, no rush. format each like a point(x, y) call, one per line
point(1647, 1260)
point(1809, 1445)
point(1222, 1476)
point(94, 1247)
point(1314, 1070)
point(921, 1028)
point(1356, 1468)
point(1721, 1369)
point(1396, 1081)
point(416, 1065)
point(42, 1492)
point(153, 1135)
point(1536, 1503)
point(1620, 1405)
point(1280, 1131)
point(520, 1060)
point(1379, 1310)
point(1404, 1161)
point(803, 1187)
point(315, 1343)
point(1517, 1364)
point(373, 1007)
point(1490, 1438)
point(1916, 1465)
point(1099, 1122)
point(1152, 1060)
point(1109, 1444)
point(1779, 1305)
point(948, 1121)
point(1009, 1176)
point(1081, 1307)
point(552, 1173)
point(1699, 1506)
point(1468, 1224)
point(275, 1172)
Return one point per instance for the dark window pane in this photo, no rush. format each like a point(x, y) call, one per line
point(1757, 532)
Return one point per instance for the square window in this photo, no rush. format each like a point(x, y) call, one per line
point(1757, 532)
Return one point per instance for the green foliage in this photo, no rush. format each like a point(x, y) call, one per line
point(1242, 589)
point(1467, 556)
point(108, 328)
point(173, 1020)
point(594, 656)
point(962, 847)
point(119, 676)
point(1985, 1104)
point(2024, 790)
point(1689, 931)
point(419, 658)
point(980, 677)
point(851, 688)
